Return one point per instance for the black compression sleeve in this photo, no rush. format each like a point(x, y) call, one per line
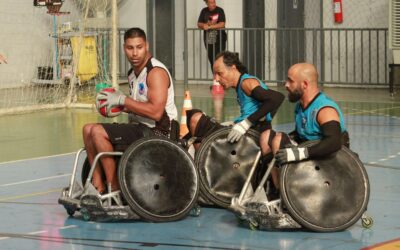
point(270, 99)
point(330, 141)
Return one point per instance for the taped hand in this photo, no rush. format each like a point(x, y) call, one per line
point(286, 155)
point(238, 130)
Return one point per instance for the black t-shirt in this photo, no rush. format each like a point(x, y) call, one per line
point(212, 17)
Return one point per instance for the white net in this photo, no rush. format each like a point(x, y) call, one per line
point(57, 52)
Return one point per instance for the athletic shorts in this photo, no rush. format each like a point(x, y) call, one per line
point(123, 135)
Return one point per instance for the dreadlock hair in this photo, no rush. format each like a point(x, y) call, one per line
point(232, 58)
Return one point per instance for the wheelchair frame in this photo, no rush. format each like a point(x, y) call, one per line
point(255, 210)
point(104, 207)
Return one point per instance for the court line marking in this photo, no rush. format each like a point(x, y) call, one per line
point(372, 111)
point(390, 244)
point(37, 232)
point(35, 180)
point(43, 231)
point(67, 227)
point(31, 194)
point(395, 155)
point(35, 158)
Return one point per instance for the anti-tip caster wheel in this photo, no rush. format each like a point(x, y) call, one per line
point(367, 221)
point(85, 214)
point(196, 210)
point(70, 211)
point(253, 225)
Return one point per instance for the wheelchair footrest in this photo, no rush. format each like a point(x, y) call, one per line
point(93, 209)
point(273, 221)
point(70, 204)
point(267, 216)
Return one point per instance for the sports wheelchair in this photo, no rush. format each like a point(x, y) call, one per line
point(158, 180)
point(323, 195)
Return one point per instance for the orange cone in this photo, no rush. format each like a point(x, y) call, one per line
point(187, 105)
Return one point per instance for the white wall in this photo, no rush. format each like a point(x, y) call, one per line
point(271, 21)
point(357, 14)
point(133, 13)
point(24, 37)
point(179, 39)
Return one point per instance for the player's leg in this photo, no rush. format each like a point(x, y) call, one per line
point(102, 143)
point(200, 125)
point(97, 179)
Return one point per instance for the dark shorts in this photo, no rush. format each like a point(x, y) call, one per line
point(123, 135)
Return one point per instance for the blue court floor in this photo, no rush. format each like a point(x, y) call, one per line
point(31, 218)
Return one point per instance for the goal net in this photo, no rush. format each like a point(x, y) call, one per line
point(58, 52)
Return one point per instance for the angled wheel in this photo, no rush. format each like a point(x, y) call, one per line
point(223, 166)
point(367, 221)
point(158, 179)
point(328, 194)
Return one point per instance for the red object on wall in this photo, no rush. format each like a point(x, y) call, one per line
point(338, 11)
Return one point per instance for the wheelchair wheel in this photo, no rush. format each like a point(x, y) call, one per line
point(158, 179)
point(328, 194)
point(223, 166)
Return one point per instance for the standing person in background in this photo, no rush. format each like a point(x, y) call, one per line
point(3, 59)
point(212, 20)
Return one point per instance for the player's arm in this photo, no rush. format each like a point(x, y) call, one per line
point(157, 94)
point(270, 99)
point(330, 142)
point(329, 121)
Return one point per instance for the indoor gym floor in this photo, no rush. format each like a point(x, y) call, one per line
point(37, 152)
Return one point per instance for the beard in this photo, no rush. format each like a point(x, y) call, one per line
point(295, 95)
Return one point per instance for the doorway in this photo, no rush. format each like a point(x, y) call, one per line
point(290, 36)
point(161, 31)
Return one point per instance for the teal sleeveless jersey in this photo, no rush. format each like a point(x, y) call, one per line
point(307, 125)
point(248, 105)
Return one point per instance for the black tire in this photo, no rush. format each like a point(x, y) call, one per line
point(158, 179)
point(223, 166)
point(326, 195)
